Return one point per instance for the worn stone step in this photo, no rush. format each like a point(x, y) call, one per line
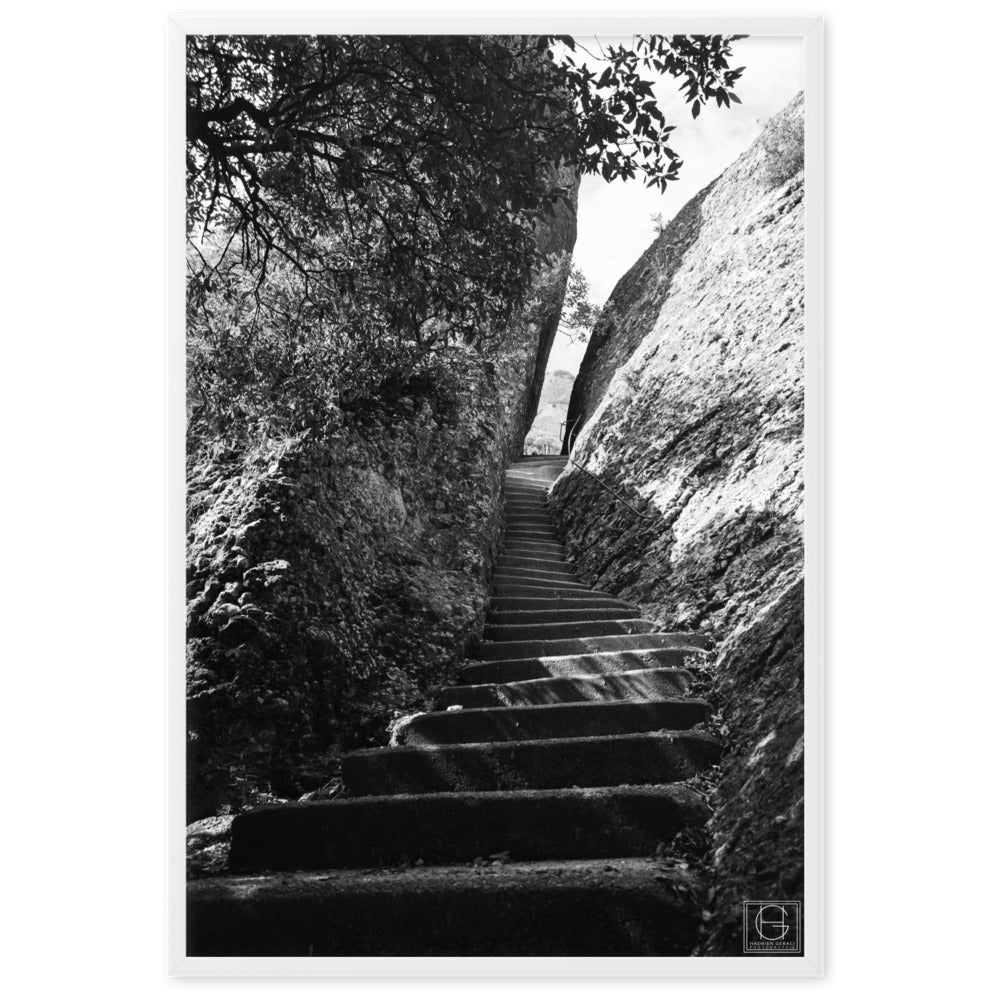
point(536, 616)
point(532, 577)
point(534, 668)
point(520, 520)
point(584, 628)
point(532, 535)
point(540, 545)
point(532, 562)
point(549, 550)
point(574, 603)
point(662, 682)
point(586, 761)
point(530, 506)
point(547, 722)
point(519, 649)
point(442, 827)
point(508, 585)
point(609, 907)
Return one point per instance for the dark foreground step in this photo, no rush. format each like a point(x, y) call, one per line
point(597, 644)
point(558, 603)
point(536, 667)
point(546, 722)
point(662, 682)
point(586, 761)
point(537, 616)
point(450, 826)
point(567, 629)
point(623, 907)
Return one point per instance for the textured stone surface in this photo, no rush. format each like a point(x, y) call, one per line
point(692, 397)
point(617, 906)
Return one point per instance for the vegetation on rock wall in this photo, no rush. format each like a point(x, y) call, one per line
point(332, 580)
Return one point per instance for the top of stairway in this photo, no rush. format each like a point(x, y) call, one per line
point(541, 470)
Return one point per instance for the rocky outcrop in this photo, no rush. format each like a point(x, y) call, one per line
point(331, 582)
point(691, 406)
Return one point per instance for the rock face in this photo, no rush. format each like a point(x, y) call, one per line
point(331, 582)
point(691, 406)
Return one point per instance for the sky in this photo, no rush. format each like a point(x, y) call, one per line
point(614, 225)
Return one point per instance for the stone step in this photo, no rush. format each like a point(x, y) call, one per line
point(520, 520)
point(531, 562)
point(532, 535)
point(585, 761)
point(533, 616)
point(659, 682)
point(533, 544)
point(508, 585)
point(522, 538)
point(610, 907)
point(548, 722)
point(519, 649)
point(533, 577)
point(534, 668)
point(442, 827)
point(514, 506)
point(585, 628)
point(574, 603)
point(550, 550)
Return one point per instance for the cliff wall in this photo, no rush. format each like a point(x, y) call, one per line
point(331, 582)
point(691, 405)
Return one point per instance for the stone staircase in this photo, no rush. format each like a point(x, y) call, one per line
point(521, 818)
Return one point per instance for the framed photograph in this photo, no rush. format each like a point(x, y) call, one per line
point(496, 505)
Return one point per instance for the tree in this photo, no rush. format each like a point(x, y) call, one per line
point(392, 185)
point(416, 153)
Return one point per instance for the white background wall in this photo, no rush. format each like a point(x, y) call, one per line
point(912, 551)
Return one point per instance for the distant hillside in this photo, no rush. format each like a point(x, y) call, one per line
point(545, 436)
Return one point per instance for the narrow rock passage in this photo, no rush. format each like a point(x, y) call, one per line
point(519, 819)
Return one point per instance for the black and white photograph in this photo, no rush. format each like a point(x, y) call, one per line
point(499, 501)
point(496, 482)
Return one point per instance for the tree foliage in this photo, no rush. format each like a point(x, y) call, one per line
point(384, 191)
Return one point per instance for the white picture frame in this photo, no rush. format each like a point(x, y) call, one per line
point(811, 963)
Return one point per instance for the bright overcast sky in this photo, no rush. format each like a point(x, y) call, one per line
point(614, 219)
